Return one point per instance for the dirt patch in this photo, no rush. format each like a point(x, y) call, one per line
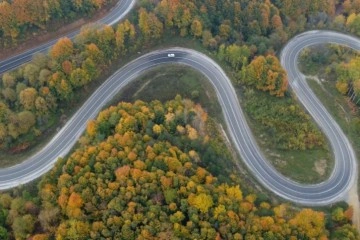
point(320, 167)
point(280, 163)
point(43, 36)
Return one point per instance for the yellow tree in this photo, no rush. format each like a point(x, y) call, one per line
point(8, 21)
point(202, 202)
point(28, 97)
point(311, 222)
point(267, 74)
point(150, 26)
point(196, 28)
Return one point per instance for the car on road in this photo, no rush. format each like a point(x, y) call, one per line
point(171, 55)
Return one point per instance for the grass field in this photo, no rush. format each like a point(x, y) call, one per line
point(304, 166)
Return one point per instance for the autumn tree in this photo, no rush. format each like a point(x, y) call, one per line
point(124, 36)
point(311, 223)
point(28, 97)
point(150, 26)
point(79, 78)
point(62, 50)
point(266, 74)
point(196, 28)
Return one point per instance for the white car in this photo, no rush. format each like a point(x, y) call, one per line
point(171, 55)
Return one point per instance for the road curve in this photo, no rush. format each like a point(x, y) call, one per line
point(115, 15)
point(327, 192)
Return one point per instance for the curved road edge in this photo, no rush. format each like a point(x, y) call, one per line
point(320, 194)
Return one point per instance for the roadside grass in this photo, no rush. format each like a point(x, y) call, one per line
point(303, 166)
point(300, 165)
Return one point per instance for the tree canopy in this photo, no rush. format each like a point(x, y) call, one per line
point(139, 172)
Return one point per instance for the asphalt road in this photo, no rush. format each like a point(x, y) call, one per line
point(115, 15)
point(335, 188)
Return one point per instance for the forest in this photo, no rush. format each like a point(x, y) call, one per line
point(139, 172)
point(21, 17)
point(153, 170)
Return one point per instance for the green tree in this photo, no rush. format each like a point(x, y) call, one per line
point(4, 233)
point(23, 226)
point(79, 78)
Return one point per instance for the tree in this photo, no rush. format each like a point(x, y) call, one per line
point(225, 30)
point(91, 69)
point(64, 89)
point(91, 128)
point(106, 42)
point(67, 67)
point(44, 76)
point(3, 132)
point(9, 94)
point(26, 120)
point(23, 226)
point(150, 26)
point(49, 219)
point(3, 233)
point(62, 50)
point(8, 80)
point(276, 22)
point(346, 232)
point(237, 56)
point(266, 74)
point(196, 28)
point(125, 34)
point(41, 106)
point(94, 53)
point(73, 229)
point(8, 20)
point(353, 23)
point(206, 38)
point(27, 98)
point(79, 78)
point(338, 214)
point(31, 74)
point(202, 202)
point(311, 222)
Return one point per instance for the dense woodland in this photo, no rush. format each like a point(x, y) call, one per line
point(19, 17)
point(139, 172)
point(158, 171)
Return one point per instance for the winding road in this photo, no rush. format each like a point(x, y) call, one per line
point(333, 189)
point(117, 13)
